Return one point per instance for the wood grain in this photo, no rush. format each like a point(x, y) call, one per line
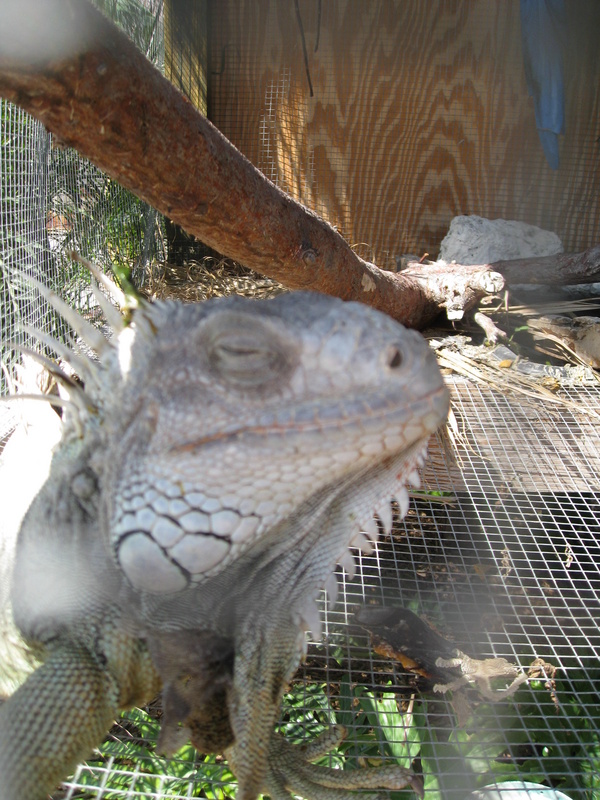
point(420, 112)
point(186, 49)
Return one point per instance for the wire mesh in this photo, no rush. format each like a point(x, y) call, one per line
point(500, 552)
point(54, 201)
point(390, 118)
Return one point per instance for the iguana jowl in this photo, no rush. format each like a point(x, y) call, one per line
point(221, 460)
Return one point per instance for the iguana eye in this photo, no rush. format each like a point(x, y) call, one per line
point(247, 358)
point(234, 351)
point(245, 352)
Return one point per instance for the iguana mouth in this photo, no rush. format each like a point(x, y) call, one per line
point(312, 418)
point(190, 520)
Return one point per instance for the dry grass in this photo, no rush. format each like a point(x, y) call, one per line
point(211, 277)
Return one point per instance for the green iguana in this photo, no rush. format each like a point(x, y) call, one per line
point(216, 464)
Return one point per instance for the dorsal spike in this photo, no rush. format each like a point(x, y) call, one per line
point(111, 315)
point(80, 398)
point(49, 365)
point(8, 377)
point(103, 280)
point(90, 335)
point(80, 364)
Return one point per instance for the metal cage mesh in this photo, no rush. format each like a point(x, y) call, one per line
point(54, 201)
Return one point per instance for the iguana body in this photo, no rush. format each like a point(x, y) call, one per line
point(222, 459)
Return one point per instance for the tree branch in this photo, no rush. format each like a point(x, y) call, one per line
point(71, 68)
point(559, 270)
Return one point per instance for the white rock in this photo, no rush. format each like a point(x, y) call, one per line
point(476, 240)
point(516, 790)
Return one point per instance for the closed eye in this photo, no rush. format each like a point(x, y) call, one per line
point(247, 364)
point(246, 352)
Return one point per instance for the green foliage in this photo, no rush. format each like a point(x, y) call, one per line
point(90, 213)
point(306, 712)
point(130, 764)
point(528, 737)
point(554, 741)
point(53, 201)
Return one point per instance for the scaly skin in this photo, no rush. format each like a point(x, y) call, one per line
point(220, 462)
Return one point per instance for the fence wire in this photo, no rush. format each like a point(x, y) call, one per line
point(53, 201)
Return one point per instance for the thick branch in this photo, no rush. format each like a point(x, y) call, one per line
point(72, 69)
point(559, 270)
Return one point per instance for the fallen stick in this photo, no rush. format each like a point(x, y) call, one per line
point(558, 270)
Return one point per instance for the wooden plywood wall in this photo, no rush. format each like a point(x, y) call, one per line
point(185, 32)
point(419, 112)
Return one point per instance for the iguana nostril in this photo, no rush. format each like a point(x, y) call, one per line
point(394, 358)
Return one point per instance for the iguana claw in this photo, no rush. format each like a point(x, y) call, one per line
point(291, 773)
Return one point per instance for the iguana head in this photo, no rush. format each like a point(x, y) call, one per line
point(232, 418)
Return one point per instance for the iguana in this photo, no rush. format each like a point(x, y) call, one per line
point(215, 465)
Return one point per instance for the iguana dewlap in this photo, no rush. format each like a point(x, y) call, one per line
point(220, 461)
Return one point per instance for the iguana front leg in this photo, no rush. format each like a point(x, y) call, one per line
point(53, 721)
point(262, 668)
point(64, 709)
point(264, 761)
point(213, 689)
point(288, 771)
